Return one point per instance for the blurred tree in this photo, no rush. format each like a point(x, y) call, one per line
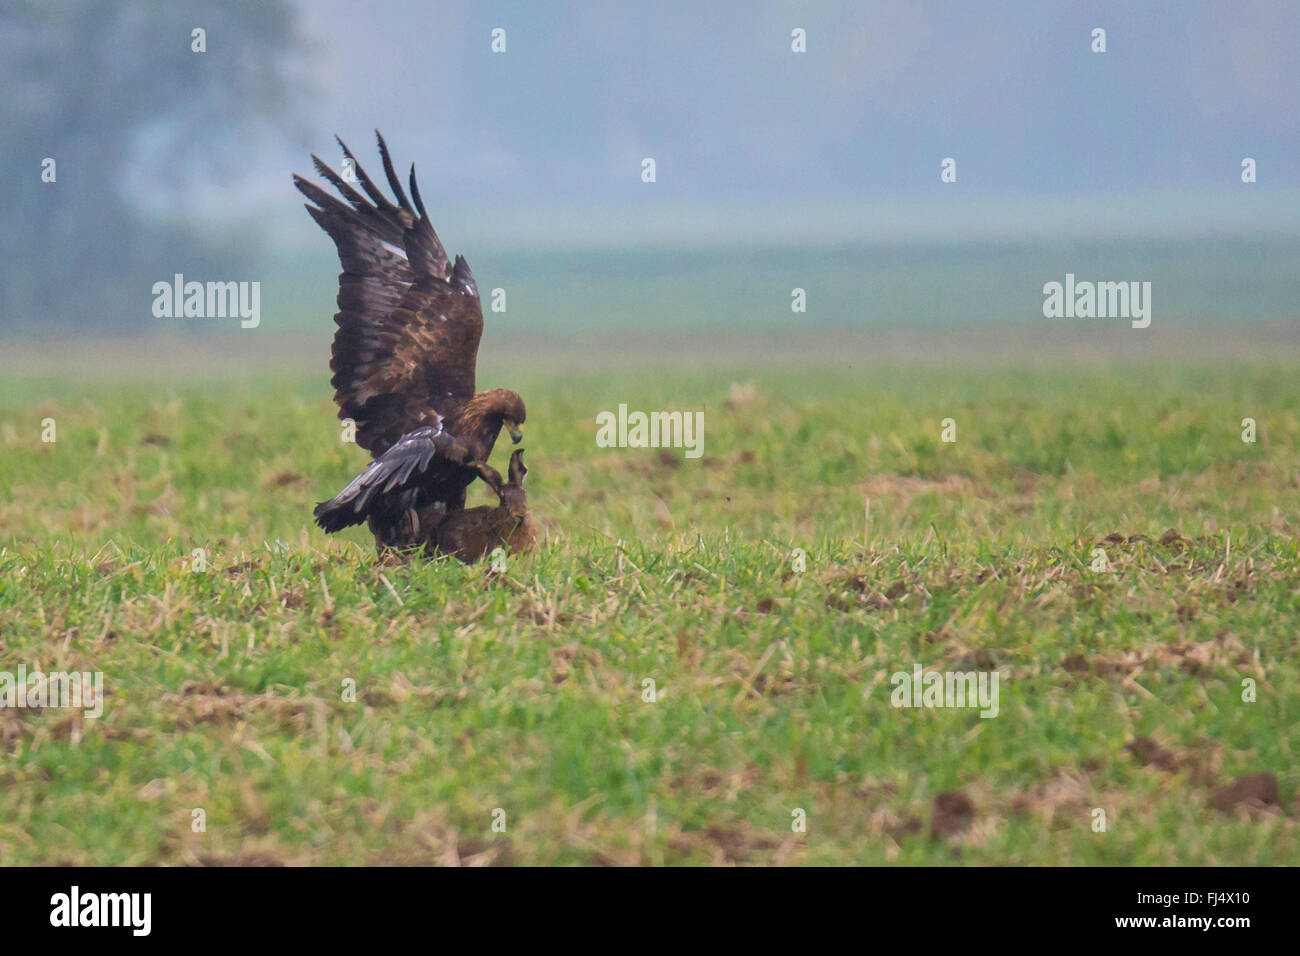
point(113, 91)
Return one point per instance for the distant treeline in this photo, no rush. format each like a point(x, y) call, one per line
point(99, 93)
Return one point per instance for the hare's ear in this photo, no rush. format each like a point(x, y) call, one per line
point(517, 469)
point(490, 476)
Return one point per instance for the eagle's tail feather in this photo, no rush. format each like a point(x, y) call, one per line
point(334, 515)
point(382, 487)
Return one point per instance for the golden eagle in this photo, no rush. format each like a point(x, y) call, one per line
point(409, 324)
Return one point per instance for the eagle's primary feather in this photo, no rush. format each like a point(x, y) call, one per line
point(404, 356)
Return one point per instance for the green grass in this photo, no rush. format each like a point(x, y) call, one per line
point(224, 688)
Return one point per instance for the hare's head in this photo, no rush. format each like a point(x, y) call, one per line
point(512, 495)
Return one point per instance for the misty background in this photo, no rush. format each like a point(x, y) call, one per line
point(774, 169)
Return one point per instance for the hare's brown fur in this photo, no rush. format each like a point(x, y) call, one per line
point(474, 532)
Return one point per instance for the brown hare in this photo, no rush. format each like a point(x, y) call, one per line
point(474, 532)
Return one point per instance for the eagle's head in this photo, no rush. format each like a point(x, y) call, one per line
point(505, 409)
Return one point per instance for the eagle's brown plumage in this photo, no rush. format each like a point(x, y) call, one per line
point(409, 324)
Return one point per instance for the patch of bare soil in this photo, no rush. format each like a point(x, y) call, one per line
point(950, 813)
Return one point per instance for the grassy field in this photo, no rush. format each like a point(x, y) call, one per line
point(521, 697)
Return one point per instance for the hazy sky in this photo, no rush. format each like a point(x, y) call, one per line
point(769, 162)
point(847, 137)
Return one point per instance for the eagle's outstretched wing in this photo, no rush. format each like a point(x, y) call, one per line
point(409, 321)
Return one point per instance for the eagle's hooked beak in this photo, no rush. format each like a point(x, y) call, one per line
point(516, 433)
